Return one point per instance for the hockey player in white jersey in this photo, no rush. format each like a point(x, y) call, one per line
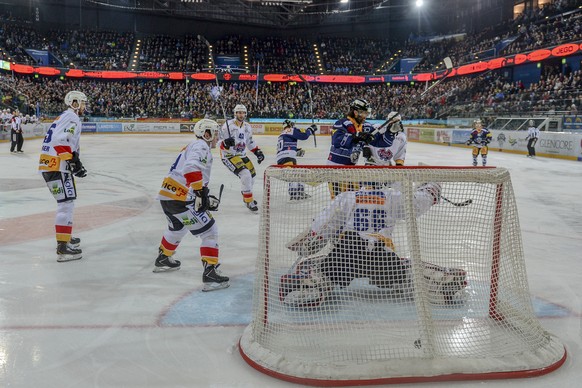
point(389, 145)
point(59, 164)
point(186, 202)
point(359, 226)
point(236, 136)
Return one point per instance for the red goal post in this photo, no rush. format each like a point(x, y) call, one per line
point(411, 274)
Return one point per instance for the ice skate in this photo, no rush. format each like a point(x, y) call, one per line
point(213, 279)
point(252, 206)
point(66, 252)
point(74, 242)
point(166, 263)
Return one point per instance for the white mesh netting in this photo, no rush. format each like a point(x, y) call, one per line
point(389, 281)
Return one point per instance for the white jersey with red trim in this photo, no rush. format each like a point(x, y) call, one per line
point(391, 149)
point(195, 157)
point(243, 137)
point(60, 141)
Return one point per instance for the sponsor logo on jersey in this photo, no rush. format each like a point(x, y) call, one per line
point(57, 189)
point(189, 221)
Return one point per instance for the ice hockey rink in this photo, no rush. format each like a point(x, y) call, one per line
point(108, 321)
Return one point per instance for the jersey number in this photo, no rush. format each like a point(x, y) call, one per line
point(49, 134)
point(365, 220)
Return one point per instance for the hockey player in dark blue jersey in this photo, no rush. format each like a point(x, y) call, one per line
point(347, 135)
point(287, 153)
point(480, 137)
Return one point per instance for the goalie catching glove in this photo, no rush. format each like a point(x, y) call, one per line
point(76, 166)
point(300, 152)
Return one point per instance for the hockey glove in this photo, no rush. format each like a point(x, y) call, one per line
point(76, 166)
point(367, 152)
point(312, 129)
point(229, 142)
point(300, 152)
point(201, 200)
point(355, 155)
point(363, 137)
point(432, 188)
point(468, 142)
point(259, 154)
point(213, 203)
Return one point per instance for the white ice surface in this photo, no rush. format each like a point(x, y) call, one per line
point(108, 321)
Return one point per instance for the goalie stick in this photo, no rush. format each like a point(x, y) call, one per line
point(219, 98)
point(310, 105)
point(459, 204)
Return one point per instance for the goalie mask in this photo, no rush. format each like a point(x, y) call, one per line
point(206, 129)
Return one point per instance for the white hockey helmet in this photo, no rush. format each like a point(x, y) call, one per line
point(205, 125)
point(73, 96)
point(240, 108)
point(531, 123)
point(477, 122)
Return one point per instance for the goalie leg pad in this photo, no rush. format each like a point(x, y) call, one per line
point(304, 285)
point(444, 284)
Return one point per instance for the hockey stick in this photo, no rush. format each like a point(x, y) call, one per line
point(215, 207)
point(310, 105)
point(219, 98)
point(449, 68)
point(220, 192)
point(459, 204)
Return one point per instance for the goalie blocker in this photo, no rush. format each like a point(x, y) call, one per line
point(313, 278)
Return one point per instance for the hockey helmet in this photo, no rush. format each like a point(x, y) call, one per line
point(531, 123)
point(203, 126)
point(240, 108)
point(360, 104)
point(477, 122)
point(73, 96)
point(288, 126)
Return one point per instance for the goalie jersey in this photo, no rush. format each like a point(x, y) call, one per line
point(373, 213)
point(192, 165)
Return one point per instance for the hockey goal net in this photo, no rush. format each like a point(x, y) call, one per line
point(406, 275)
